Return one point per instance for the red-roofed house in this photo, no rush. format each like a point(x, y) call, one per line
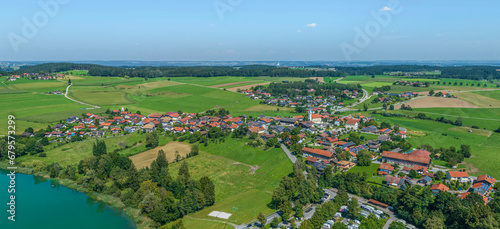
point(436, 188)
point(486, 179)
point(352, 124)
point(461, 177)
point(405, 159)
point(311, 160)
point(317, 153)
point(385, 169)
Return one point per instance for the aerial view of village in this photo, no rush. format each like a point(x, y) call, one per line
point(177, 115)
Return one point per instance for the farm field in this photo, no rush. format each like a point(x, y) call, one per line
point(144, 159)
point(481, 117)
point(479, 100)
point(36, 106)
point(230, 165)
point(494, 94)
point(27, 101)
point(430, 101)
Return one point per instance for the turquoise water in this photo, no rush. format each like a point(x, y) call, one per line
point(41, 204)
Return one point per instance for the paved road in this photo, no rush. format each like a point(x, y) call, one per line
point(66, 95)
point(288, 153)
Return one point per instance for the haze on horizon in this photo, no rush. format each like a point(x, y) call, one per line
point(239, 30)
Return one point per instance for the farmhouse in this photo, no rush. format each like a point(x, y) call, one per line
point(317, 153)
point(461, 177)
point(405, 159)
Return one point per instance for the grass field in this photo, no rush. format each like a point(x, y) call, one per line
point(72, 153)
point(482, 117)
point(144, 159)
point(480, 100)
point(26, 99)
point(228, 164)
point(370, 170)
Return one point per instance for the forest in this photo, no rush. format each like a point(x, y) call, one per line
point(154, 72)
point(458, 72)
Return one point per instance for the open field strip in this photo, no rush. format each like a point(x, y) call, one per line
point(144, 159)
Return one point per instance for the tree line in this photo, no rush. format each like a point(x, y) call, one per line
point(161, 196)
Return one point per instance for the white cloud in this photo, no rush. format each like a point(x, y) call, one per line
point(312, 25)
point(385, 8)
point(211, 25)
point(299, 31)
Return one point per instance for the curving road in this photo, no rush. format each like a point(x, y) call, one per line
point(66, 95)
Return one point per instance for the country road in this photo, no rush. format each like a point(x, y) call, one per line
point(66, 95)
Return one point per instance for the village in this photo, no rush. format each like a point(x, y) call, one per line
point(320, 139)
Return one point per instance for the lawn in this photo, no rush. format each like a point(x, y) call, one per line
point(370, 170)
point(237, 191)
point(480, 100)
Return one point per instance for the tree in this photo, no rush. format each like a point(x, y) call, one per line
point(275, 222)
point(99, 148)
point(152, 140)
point(431, 93)
point(465, 150)
point(440, 175)
point(434, 222)
point(458, 122)
point(364, 158)
point(208, 189)
point(353, 208)
point(365, 107)
point(262, 219)
point(397, 225)
point(286, 210)
point(413, 173)
point(391, 107)
point(384, 125)
point(69, 82)
point(184, 175)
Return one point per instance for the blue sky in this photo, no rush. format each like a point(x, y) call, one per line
point(189, 30)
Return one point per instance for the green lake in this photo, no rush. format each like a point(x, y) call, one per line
point(41, 204)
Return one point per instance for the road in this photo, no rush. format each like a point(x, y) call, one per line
point(66, 95)
point(288, 153)
point(365, 97)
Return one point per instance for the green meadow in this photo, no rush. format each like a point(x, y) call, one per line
point(237, 191)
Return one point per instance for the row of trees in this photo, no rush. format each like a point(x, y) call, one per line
point(154, 72)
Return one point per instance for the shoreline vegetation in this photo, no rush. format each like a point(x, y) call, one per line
point(140, 220)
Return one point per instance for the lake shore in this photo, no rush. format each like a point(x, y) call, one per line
point(134, 214)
